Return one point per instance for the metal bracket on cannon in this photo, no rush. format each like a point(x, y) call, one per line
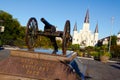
point(32, 33)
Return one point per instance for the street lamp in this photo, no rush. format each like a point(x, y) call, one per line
point(112, 21)
point(2, 28)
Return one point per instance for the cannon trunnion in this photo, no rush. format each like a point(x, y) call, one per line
point(32, 33)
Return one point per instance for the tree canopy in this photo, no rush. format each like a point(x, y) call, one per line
point(13, 30)
point(113, 40)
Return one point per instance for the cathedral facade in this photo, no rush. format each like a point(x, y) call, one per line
point(85, 37)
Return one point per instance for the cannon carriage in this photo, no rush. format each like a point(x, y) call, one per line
point(32, 33)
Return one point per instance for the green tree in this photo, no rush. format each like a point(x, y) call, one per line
point(75, 47)
point(113, 40)
point(115, 51)
point(13, 30)
point(59, 43)
point(43, 42)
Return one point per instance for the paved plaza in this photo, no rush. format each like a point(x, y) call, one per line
point(97, 70)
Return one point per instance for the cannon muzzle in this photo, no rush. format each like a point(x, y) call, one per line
point(48, 27)
point(45, 22)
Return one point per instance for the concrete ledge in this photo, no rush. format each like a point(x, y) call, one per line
point(40, 55)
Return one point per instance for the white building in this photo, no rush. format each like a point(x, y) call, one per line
point(85, 37)
point(105, 41)
point(118, 38)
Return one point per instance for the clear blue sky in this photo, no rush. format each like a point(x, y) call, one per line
point(58, 11)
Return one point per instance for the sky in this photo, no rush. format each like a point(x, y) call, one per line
point(57, 12)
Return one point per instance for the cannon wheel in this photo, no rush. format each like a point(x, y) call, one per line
point(66, 37)
point(31, 33)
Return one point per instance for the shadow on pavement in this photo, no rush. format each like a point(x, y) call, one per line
point(115, 66)
point(118, 63)
point(88, 77)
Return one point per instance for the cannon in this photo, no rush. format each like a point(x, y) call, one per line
point(32, 33)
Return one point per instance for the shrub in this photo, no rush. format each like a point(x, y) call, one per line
point(105, 54)
point(115, 51)
point(95, 54)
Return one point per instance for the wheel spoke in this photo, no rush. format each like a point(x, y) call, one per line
point(31, 32)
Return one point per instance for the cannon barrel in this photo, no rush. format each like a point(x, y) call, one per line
point(48, 27)
point(46, 23)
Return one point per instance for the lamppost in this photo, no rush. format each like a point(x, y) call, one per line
point(2, 28)
point(112, 21)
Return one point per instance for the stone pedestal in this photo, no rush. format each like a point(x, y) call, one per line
point(26, 65)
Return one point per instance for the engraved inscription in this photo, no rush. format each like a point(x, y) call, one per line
point(29, 67)
point(34, 67)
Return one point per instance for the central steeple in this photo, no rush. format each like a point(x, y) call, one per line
point(86, 23)
point(87, 17)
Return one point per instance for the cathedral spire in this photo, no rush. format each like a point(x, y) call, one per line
point(96, 29)
point(87, 17)
point(75, 27)
point(119, 32)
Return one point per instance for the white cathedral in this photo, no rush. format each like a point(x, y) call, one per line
point(85, 37)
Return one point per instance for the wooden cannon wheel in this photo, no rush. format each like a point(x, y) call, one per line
point(31, 33)
point(66, 37)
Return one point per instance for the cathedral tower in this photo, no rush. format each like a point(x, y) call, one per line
point(75, 34)
point(86, 23)
point(96, 34)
